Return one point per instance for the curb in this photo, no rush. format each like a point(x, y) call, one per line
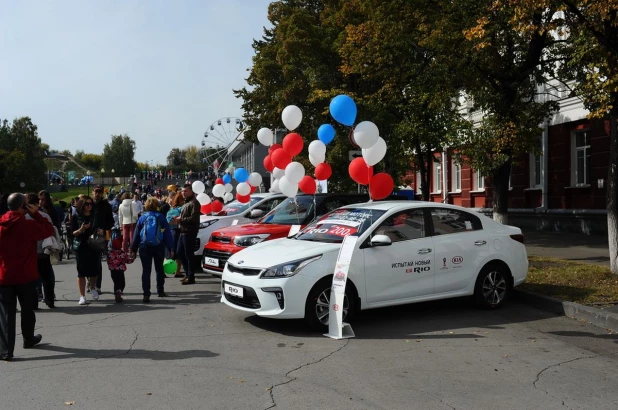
point(597, 317)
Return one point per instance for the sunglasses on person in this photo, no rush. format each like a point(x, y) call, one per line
point(88, 204)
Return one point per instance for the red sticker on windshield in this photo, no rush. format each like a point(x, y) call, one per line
point(342, 231)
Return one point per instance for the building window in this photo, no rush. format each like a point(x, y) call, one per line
point(538, 170)
point(456, 180)
point(582, 158)
point(479, 181)
point(437, 177)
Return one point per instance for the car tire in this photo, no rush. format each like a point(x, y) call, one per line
point(492, 287)
point(317, 306)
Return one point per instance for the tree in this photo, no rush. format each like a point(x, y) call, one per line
point(176, 158)
point(92, 161)
point(119, 155)
point(193, 157)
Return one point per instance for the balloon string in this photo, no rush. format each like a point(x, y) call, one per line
point(369, 182)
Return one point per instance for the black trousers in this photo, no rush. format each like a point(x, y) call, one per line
point(119, 280)
point(9, 295)
point(48, 278)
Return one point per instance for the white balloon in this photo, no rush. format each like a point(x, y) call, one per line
point(275, 187)
point(218, 190)
point(228, 197)
point(366, 134)
point(288, 188)
point(317, 161)
point(255, 179)
point(375, 153)
point(243, 189)
point(265, 136)
point(294, 172)
point(278, 173)
point(203, 199)
point(291, 117)
point(229, 188)
point(198, 187)
point(317, 149)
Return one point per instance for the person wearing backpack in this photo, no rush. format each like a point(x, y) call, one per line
point(152, 236)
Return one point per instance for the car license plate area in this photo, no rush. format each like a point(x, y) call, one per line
point(233, 290)
point(211, 261)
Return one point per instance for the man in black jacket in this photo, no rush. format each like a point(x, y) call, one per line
point(105, 220)
point(189, 225)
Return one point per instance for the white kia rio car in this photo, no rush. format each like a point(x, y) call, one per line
point(406, 252)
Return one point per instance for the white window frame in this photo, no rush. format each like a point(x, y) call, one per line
point(534, 173)
point(437, 177)
point(479, 182)
point(456, 177)
point(574, 150)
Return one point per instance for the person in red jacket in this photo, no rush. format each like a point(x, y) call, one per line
point(18, 271)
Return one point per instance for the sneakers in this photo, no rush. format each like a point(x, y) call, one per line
point(146, 299)
point(179, 275)
point(99, 291)
point(188, 281)
point(162, 294)
point(94, 294)
point(87, 288)
point(32, 342)
point(82, 300)
point(118, 296)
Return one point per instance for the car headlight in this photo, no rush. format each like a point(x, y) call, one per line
point(206, 224)
point(249, 240)
point(285, 270)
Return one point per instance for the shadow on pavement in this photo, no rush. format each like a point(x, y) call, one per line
point(564, 240)
point(114, 353)
point(560, 291)
point(613, 337)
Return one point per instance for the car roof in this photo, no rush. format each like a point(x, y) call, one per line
point(262, 195)
point(396, 205)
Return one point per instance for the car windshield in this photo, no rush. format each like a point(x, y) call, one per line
point(338, 224)
point(235, 207)
point(291, 212)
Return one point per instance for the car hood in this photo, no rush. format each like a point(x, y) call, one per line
point(274, 230)
point(204, 218)
point(271, 253)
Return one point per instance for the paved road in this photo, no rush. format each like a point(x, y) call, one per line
point(192, 352)
point(570, 246)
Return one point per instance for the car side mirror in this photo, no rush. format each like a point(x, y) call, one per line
point(256, 213)
point(381, 240)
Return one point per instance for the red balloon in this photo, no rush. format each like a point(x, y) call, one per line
point(323, 171)
point(206, 209)
point(268, 164)
point(253, 189)
point(293, 144)
point(280, 158)
point(274, 148)
point(307, 185)
point(381, 186)
point(359, 171)
point(219, 181)
point(243, 199)
point(216, 205)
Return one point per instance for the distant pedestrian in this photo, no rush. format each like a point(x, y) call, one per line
point(128, 215)
point(189, 225)
point(83, 226)
point(117, 261)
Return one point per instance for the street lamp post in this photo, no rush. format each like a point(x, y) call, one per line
point(88, 181)
point(113, 181)
point(103, 177)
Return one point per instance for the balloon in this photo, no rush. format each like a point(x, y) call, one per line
point(291, 117)
point(206, 209)
point(229, 187)
point(375, 153)
point(381, 186)
point(343, 109)
point(265, 136)
point(323, 171)
point(216, 206)
point(198, 187)
point(218, 190)
point(294, 172)
point(317, 149)
point(275, 186)
point(281, 158)
point(366, 134)
point(227, 179)
point(228, 196)
point(243, 199)
point(278, 173)
point(317, 161)
point(293, 144)
point(268, 164)
point(253, 189)
point(169, 267)
point(288, 188)
point(359, 171)
point(255, 179)
point(243, 189)
point(326, 133)
point(274, 148)
point(241, 175)
point(307, 185)
point(219, 181)
point(203, 199)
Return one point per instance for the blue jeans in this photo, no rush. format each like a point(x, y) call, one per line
point(184, 252)
point(147, 255)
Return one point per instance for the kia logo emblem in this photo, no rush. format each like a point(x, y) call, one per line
point(457, 260)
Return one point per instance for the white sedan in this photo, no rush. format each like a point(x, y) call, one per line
point(406, 252)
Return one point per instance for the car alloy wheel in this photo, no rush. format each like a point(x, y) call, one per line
point(494, 287)
point(322, 306)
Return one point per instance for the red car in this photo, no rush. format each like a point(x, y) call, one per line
point(276, 224)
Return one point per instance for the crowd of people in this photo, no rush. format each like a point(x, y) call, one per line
point(121, 227)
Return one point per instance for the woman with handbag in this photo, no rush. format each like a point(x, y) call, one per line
point(87, 241)
point(127, 219)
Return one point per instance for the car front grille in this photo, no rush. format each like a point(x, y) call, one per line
point(221, 239)
point(220, 255)
point(243, 271)
point(249, 299)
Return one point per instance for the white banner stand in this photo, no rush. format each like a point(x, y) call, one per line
point(337, 328)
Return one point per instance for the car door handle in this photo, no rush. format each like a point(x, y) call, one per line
point(480, 243)
point(423, 251)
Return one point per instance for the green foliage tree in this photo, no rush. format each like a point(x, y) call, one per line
point(92, 162)
point(119, 155)
point(176, 158)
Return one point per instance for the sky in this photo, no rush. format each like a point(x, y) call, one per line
point(160, 71)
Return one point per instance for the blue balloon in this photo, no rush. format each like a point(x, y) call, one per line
point(227, 179)
point(241, 175)
point(343, 109)
point(326, 133)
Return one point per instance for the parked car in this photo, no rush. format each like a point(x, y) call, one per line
point(407, 251)
point(276, 224)
point(233, 213)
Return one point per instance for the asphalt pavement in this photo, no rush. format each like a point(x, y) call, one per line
point(189, 351)
point(581, 248)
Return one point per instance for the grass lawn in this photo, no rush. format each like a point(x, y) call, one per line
point(571, 281)
point(75, 191)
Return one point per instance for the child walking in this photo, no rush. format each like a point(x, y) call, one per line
point(116, 261)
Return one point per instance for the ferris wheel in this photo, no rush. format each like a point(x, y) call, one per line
point(218, 138)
